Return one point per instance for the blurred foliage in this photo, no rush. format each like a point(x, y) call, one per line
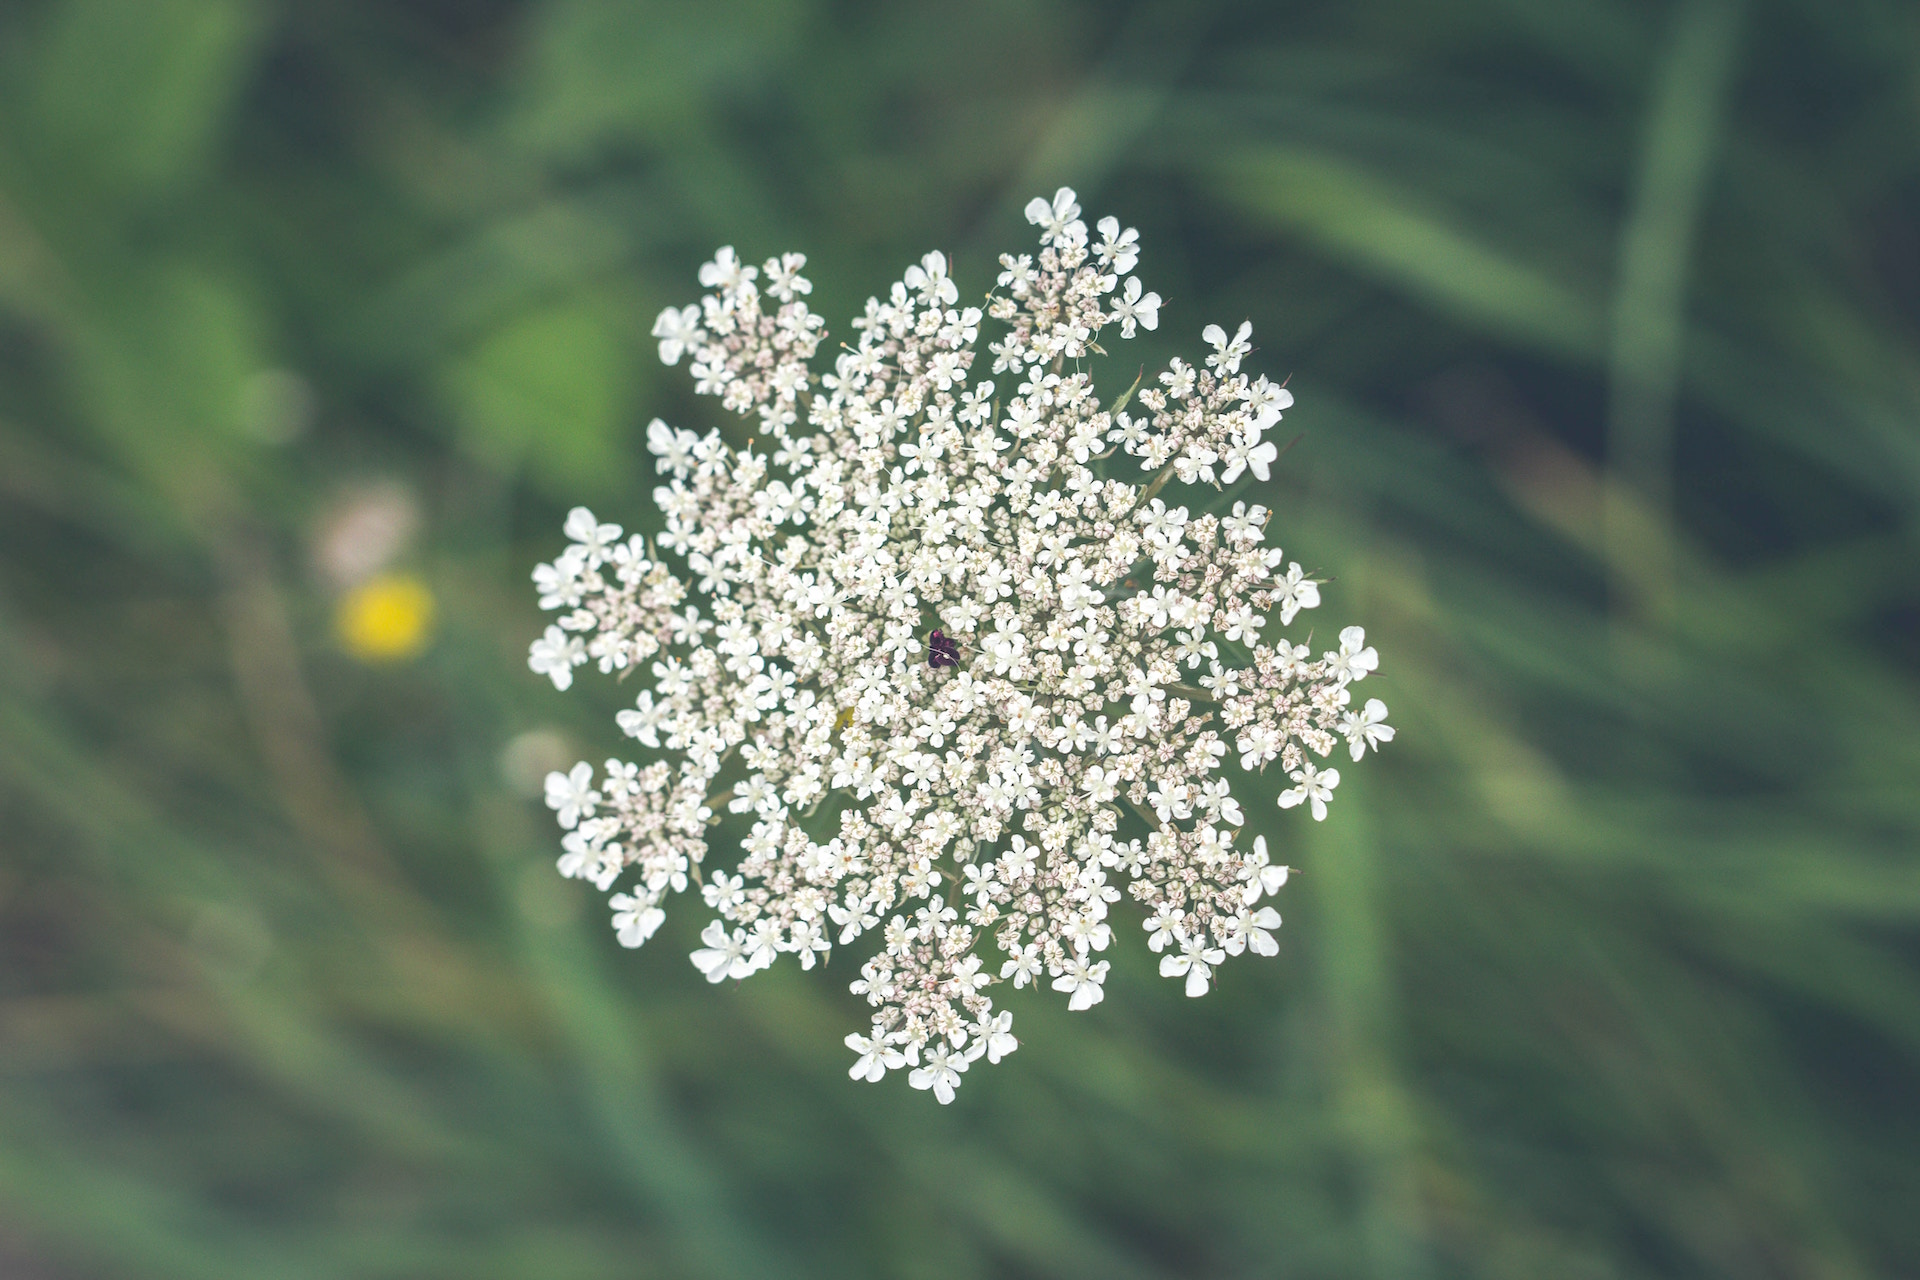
point(1604, 317)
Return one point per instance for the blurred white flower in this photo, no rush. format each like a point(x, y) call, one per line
point(676, 329)
point(364, 530)
point(634, 919)
point(556, 654)
point(571, 795)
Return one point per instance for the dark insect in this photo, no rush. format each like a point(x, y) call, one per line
point(942, 650)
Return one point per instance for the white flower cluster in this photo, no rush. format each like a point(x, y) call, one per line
point(970, 685)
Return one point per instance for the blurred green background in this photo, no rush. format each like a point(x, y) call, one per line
point(1604, 318)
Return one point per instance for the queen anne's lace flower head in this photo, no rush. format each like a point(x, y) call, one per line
point(964, 680)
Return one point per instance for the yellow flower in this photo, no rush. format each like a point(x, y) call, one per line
point(386, 618)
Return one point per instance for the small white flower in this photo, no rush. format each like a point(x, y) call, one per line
point(1315, 789)
point(635, 919)
point(593, 537)
point(1018, 278)
point(1244, 624)
point(940, 1073)
point(559, 583)
point(1024, 967)
point(1083, 982)
point(1244, 524)
point(1132, 307)
point(1366, 727)
point(724, 892)
point(784, 280)
point(1227, 354)
point(1250, 931)
point(931, 281)
point(1355, 659)
point(997, 1036)
point(1265, 402)
point(1249, 452)
point(677, 330)
point(876, 1057)
point(1088, 933)
point(726, 271)
point(1118, 250)
point(1295, 592)
point(1260, 875)
point(556, 654)
point(750, 793)
point(1194, 646)
point(726, 955)
point(675, 449)
point(571, 795)
point(1163, 927)
point(1059, 221)
point(1194, 961)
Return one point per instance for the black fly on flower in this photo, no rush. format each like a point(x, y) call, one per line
point(1054, 745)
point(942, 649)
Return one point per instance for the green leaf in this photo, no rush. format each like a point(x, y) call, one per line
point(136, 91)
point(1401, 240)
point(551, 390)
